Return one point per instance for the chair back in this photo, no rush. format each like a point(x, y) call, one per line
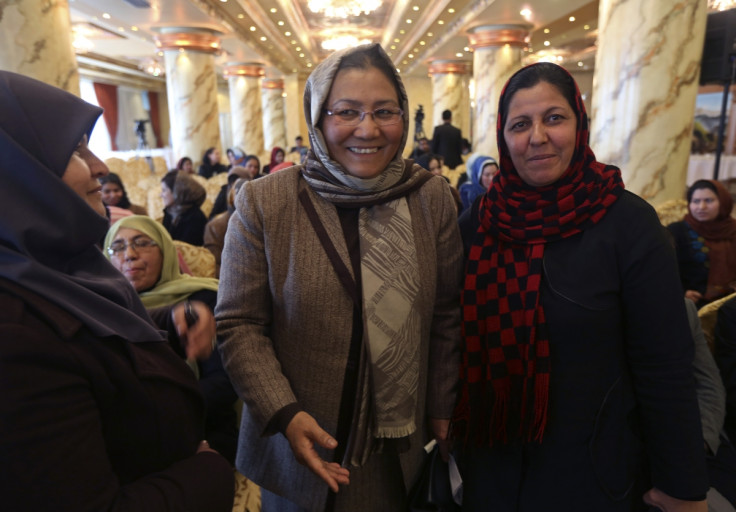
point(708, 315)
point(200, 260)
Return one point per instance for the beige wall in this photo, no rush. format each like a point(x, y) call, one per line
point(419, 91)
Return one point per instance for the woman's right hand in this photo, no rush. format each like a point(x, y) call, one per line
point(302, 432)
point(693, 295)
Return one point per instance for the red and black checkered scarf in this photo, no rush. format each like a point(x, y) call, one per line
point(506, 362)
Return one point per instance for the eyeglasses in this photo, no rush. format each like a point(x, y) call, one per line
point(353, 117)
point(139, 244)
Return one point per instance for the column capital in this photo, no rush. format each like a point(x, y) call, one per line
point(273, 83)
point(513, 34)
point(460, 67)
point(196, 39)
point(249, 69)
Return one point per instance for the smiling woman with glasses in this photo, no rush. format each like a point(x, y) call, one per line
point(339, 295)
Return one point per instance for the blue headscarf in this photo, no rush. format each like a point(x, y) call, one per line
point(473, 187)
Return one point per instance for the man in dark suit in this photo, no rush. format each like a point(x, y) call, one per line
point(447, 141)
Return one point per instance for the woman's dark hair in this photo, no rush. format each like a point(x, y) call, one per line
point(206, 156)
point(530, 76)
point(169, 179)
point(698, 185)
point(371, 57)
point(115, 180)
point(180, 163)
point(252, 157)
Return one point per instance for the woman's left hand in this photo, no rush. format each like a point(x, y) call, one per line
point(441, 431)
point(667, 503)
point(198, 338)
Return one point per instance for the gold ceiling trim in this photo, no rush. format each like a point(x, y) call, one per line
point(460, 67)
point(247, 69)
point(273, 83)
point(499, 35)
point(190, 40)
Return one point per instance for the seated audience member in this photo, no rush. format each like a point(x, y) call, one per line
point(114, 194)
point(720, 452)
point(233, 173)
point(277, 156)
point(282, 165)
point(214, 231)
point(211, 163)
point(185, 164)
point(434, 165)
point(235, 156)
point(182, 197)
point(423, 148)
point(480, 172)
point(705, 242)
point(725, 355)
point(300, 148)
point(96, 411)
point(143, 251)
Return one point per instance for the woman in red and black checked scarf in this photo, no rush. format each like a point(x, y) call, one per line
point(577, 379)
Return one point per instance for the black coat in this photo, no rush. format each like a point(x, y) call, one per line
point(189, 228)
point(622, 392)
point(90, 423)
point(448, 142)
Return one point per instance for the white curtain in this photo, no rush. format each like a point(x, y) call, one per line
point(131, 108)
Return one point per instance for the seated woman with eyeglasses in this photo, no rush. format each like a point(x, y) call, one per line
point(144, 252)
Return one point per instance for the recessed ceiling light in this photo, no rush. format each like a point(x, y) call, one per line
point(422, 43)
point(571, 18)
point(273, 9)
point(459, 54)
point(547, 43)
point(241, 16)
point(546, 31)
point(301, 55)
point(134, 28)
point(409, 20)
point(160, 54)
point(393, 46)
point(411, 55)
point(440, 22)
point(525, 12)
point(402, 31)
point(252, 29)
point(287, 34)
point(397, 40)
point(309, 64)
point(415, 8)
point(580, 64)
point(429, 34)
point(106, 16)
point(281, 23)
point(405, 62)
point(263, 38)
point(451, 10)
point(586, 27)
point(293, 41)
point(298, 48)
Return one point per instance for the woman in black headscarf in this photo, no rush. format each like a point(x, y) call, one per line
point(578, 389)
point(183, 218)
point(97, 412)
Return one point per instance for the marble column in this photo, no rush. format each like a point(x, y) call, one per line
point(498, 51)
point(244, 81)
point(647, 68)
point(274, 121)
point(36, 41)
point(450, 91)
point(191, 88)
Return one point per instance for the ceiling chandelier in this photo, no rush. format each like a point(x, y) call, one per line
point(152, 66)
point(343, 8)
point(343, 41)
point(721, 5)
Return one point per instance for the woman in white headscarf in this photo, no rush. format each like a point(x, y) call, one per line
point(339, 306)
